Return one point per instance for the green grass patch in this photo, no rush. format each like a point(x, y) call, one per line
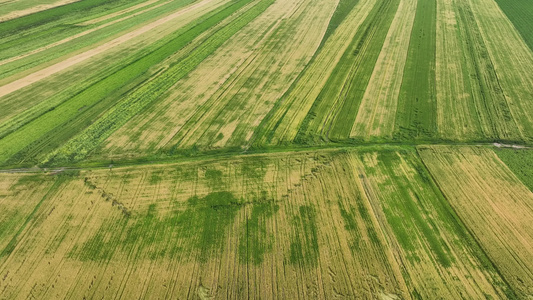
point(199, 229)
point(520, 161)
point(304, 241)
point(412, 212)
point(520, 12)
point(255, 241)
point(350, 214)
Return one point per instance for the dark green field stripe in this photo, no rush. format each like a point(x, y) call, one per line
point(520, 12)
point(79, 104)
point(78, 148)
point(416, 117)
point(349, 79)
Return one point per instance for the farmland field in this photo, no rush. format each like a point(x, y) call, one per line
point(309, 224)
point(293, 149)
point(478, 184)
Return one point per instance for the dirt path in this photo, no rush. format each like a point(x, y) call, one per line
point(41, 74)
point(510, 146)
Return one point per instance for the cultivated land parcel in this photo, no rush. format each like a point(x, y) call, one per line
point(266, 149)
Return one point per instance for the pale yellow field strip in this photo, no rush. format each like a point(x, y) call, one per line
point(512, 59)
point(493, 203)
point(70, 38)
point(295, 106)
point(34, 9)
point(377, 112)
point(41, 74)
point(454, 117)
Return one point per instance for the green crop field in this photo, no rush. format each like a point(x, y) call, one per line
point(266, 149)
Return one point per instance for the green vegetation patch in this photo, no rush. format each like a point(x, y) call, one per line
point(255, 241)
point(414, 209)
point(416, 116)
point(200, 227)
point(350, 215)
point(520, 161)
point(304, 241)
